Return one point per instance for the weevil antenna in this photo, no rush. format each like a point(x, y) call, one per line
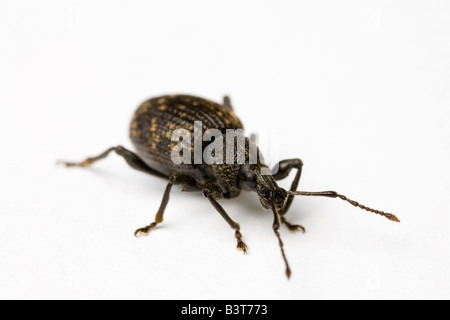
point(276, 226)
point(333, 194)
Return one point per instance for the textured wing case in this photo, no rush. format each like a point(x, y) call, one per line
point(155, 120)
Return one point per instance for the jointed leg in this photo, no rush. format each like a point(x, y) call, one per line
point(174, 179)
point(227, 102)
point(292, 227)
point(284, 168)
point(131, 158)
point(213, 193)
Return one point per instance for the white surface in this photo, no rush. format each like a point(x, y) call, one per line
point(359, 90)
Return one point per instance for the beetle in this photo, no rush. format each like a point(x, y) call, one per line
point(151, 131)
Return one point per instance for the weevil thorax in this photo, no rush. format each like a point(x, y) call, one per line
point(227, 174)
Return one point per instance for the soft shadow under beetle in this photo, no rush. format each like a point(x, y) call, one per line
point(151, 131)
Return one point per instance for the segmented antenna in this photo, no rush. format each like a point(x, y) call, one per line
point(333, 194)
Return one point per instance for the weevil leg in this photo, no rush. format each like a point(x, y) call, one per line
point(214, 193)
point(227, 102)
point(174, 179)
point(131, 158)
point(284, 168)
point(292, 227)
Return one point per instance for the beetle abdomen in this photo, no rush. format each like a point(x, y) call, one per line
point(155, 120)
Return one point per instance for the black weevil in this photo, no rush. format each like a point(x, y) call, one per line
point(151, 132)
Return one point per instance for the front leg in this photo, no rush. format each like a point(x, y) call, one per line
point(214, 193)
point(292, 227)
point(284, 168)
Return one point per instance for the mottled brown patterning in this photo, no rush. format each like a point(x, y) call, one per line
point(155, 119)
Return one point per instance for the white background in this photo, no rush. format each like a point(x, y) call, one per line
point(358, 89)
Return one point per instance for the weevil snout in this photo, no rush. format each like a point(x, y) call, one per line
point(279, 198)
point(269, 193)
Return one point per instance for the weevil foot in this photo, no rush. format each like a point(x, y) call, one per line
point(296, 227)
point(145, 231)
point(84, 163)
point(292, 227)
point(241, 246)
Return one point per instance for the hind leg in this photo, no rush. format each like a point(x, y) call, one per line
point(131, 158)
point(227, 102)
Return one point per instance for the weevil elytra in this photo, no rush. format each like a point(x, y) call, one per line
point(151, 130)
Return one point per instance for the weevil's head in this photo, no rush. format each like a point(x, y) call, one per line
point(258, 178)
